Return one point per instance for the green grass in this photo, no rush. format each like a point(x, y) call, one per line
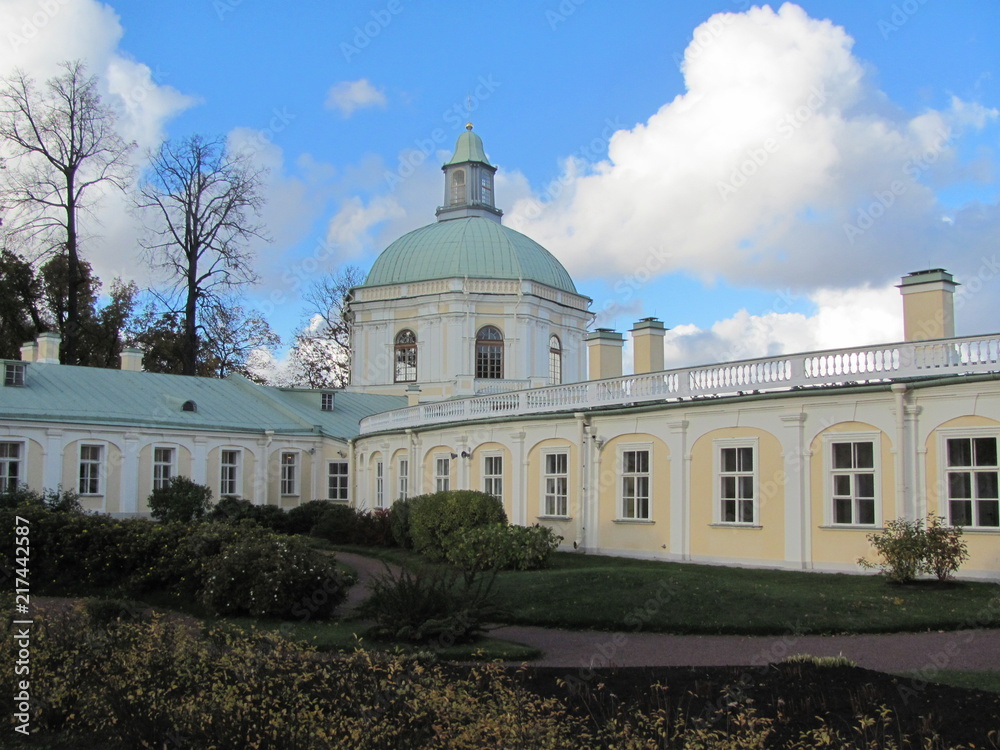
point(977, 680)
point(609, 593)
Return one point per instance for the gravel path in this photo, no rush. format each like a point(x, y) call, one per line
point(966, 649)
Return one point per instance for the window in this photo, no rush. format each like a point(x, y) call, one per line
point(489, 353)
point(403, 477)
point(853, 478)
point(635, 485)
point(163, 466)
point(289, 473)
point(326, 401)
point(486, 189)
point(13, 373)
point(229, 473)
point(457, 197)
point(337, 480)
point(11, 456)
point(379, 485)
point(737, 484)
point(406, 357)
point(442, 474)
point(189, 406)
point(555, 361)
point(556, 489)
point(493, 476)
point(972, 472)
point(91, 460)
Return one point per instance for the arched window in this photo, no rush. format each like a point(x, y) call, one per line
point(555, 361)
point(489, 353)
point(457, 187)
point(406, 356)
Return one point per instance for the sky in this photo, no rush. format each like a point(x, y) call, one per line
point(758, 177)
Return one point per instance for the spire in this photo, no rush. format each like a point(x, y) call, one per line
point(468, 181)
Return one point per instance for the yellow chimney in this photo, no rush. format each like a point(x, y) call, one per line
point(604, 350)
point(928, 305)
point(647, 345)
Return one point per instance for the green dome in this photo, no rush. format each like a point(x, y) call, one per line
point(474, 247)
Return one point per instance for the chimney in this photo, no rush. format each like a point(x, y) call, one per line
point(928, 305)
point(29, 352)
point(48, 348)
point(647, 345)
point(604, 347)
point(412, 394)
point(132, 359)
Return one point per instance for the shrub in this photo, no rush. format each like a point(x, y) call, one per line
point(19, 497)
point(301, 520)
point(907, 549)
point(231, 509)
point(501, 547)
point(945, 549)
point(180, 500)
point(62, 501)
point(399, 522)
point(434, 518)
point(338, 524)
point(374, 528)
point(65, 501)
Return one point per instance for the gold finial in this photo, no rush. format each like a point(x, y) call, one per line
point(468, 126)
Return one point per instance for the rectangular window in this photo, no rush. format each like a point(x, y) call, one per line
point(11, 456)
point(853, 478)
point(337, 480)
point(163, 466)
point(91, 461)
point(737, 484)
point(493, 476)
point(327, 401)
point(229, 473)
point(379, 485)
point(442, 474)
point(556, 484)
point(403, 476)
point(13, 373)
point(972, 482)
point(635, 485)
point(289, 473)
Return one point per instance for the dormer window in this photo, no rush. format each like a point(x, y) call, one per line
point(13, 373)
point(326, 401)
point(189, 406)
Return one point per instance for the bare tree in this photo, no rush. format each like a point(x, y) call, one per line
point(233, 335)
point(61, 146)
point(202, 203)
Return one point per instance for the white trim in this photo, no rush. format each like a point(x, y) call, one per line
point(346, 481)
point(437, 475)
point(402, 478)
point(959, 433)
point(378, 478)
point(829, 438)
point(483, 475)
point(22, 459)
point(296, 489)
point(240, 467)
point(102, 468)
point(545, 476)
point(622, 449)
point(753, 443)
point(174, 449)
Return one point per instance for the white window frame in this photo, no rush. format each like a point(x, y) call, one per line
point(22, 465)
point(326, 402)
point(14, 374)
point(492, 479)
point(288, 484)
point(829, 438)
point(238, 478)
point(403, 478)
point(157, 482)
point(553, 511)
point(341, 479)
point(944, 493)
point(623, 476)
point(718, 516)
point(100, 464)
point(379, 475)
point(442, 481)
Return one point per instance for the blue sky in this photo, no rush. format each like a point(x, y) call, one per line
point(617, 127)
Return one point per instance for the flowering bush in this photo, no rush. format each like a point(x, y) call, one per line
point(501, 547)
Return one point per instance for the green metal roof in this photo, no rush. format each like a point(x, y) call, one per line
point(471, 246)
point(91, 395)
point(469, 148)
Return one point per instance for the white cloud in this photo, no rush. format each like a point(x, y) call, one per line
point(349, 96)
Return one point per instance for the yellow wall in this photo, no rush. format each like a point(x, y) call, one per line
point(110, 479)
point(634, 535)
point(476, 473)
point(213, 476)
point(305, 487)
point(928, 315)
point(728, 541)
point(429, 458)
point(566, 528)
point(183, 468)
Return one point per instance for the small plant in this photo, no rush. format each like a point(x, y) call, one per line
point(908, 548)
point(181, 500)
point(820, 661)
point(945, 549)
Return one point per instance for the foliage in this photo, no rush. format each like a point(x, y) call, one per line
point(302, 519)
point(908, 548)
point(338, 524)
point(399, 523)
point(60, 500)
point(434, 518)
point(181, 500)
point(235, 510)
point(375, 528)
point(232, 336)
point(502, 547)
point(20, 304)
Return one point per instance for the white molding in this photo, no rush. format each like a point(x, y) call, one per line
point(829, 438)
point(718, 444)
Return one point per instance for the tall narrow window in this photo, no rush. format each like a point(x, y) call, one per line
point(229, 473)
point(853, 477)
point(403, 477)
point(326, 401)
point(486, 189)
point(489, 353)
point(163, 466)
point(493, 476)
point(457, 196)
point(337, 480)
point(635, 485)
point(737, 484)
point(442, 474)
point(972, 476)
point(555, 361)
point(556, 484)
point(11, 455)
point(289, 473)
point(406, 356)
point(91, 460)
point(379, 485)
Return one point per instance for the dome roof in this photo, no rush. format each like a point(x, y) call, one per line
point(473, 246)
